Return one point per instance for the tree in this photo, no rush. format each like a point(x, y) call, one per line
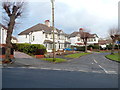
point(114, 34)
point(13, 10)
point(84, 36)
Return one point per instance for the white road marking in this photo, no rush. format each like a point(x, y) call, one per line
point(112, 72)
point(108, 72)
point(103, 69)
point(95, 61)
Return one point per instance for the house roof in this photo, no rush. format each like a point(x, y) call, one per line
point(48, 41)
point(102, 42)
point(14, 38)
point(86, 33)
point(39, 27)
point(74, 34)
point(3, 26)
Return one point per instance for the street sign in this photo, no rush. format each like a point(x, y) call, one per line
point(118, 42)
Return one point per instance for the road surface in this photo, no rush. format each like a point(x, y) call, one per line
point(37, 78)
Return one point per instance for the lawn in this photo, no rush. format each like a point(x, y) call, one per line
point(115, 57)
point(76, 55)
point(57, 60)
point(102, 51)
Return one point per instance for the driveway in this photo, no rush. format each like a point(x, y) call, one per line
point(95, 62)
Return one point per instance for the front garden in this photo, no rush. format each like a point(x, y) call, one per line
point(57, 60)
point(76, 55)
point(30, 49)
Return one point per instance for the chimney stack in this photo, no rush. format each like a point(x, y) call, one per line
point(47, 22)
point(81, 30)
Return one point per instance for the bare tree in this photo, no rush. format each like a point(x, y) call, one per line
point(13, 10)
point(84, 35)
point(114, 34)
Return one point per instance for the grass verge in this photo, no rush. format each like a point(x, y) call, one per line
point(102, 51)
point(114, 57)
point(57, 60)
point(76, 55)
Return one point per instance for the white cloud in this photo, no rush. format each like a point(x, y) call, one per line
point(70, 15)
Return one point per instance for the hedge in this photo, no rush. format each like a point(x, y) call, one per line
point(109, 47)
point(95, 47)
point(31, 49)
point(80, 48)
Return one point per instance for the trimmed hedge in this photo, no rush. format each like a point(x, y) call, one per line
point(82, 48)
point(31, 49)
point(109, 47)
point(95, 47)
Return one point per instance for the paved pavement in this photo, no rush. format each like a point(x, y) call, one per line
point(21, 55)
point(37, 78)
point(95, 62)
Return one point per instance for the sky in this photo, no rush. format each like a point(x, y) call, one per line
point(97, 16)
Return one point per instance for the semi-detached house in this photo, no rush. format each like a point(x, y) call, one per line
point(76, 40)
point(43, 34)
point(3, 35)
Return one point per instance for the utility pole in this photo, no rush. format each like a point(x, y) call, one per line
point(52, 1)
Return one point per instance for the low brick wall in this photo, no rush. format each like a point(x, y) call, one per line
point(39, 56)
point(2, 51)
point(3, 56)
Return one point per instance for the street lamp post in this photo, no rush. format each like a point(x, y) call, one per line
point(52, 1)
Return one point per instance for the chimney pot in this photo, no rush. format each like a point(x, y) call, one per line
point(47, 22)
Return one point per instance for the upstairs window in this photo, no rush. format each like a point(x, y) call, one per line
point(33, 38)
point(26, 35)
point(78, 39)
point(94, 39)
point(46, 36)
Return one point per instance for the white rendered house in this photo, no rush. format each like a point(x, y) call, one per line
point(77, 41)
point(3, 35)
point(43, 34)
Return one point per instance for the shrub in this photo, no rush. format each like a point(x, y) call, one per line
point(80, 48)
point(31, 49)
point(109, 47)
point(93, 47)
point(96, 47)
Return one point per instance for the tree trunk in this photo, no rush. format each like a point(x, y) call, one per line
point(8, 38)
point(85, 43)
point(113, 46)
point(85, 48)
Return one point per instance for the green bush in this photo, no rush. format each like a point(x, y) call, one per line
point(80, 48)
point(93, 47)
point(96, 47)
point(30, 48)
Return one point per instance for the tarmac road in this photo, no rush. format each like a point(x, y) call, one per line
point(90, 71)
point(37, 78)
point(95, 62)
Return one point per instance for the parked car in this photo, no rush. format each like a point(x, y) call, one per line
point(69, 49)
